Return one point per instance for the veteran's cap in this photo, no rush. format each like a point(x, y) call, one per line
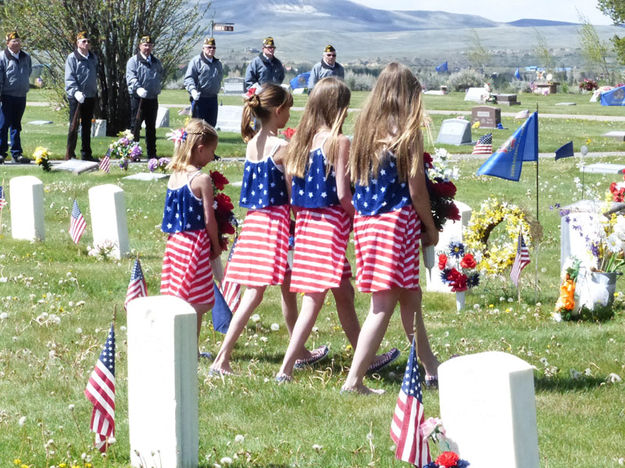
point(12, 35)
point(210, 41)
point(147, 39)
point(329, 48)
point(268, 42)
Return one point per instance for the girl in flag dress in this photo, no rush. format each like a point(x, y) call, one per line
point(189, 219)
point(392, 214)
point(321, 197)
point(260, 254)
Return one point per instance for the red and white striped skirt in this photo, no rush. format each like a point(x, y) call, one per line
point(260, 255)
point(319, 261)
point(187, 270)
point(387, 250)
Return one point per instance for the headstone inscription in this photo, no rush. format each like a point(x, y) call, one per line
point(487, 116)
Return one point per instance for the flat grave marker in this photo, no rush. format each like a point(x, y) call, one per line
point(76, 166)
point(604, 168)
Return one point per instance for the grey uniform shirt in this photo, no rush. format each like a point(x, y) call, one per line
point(261, 70)
point(15, 73)
point(321, 70)
point(81, 74)
point(146, 74)
point(204, 76)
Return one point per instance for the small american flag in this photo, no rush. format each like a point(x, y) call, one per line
point(484, 145)
point(230, 290)
point(406, 432)
point(136, 287)
point(105, 164)
point(3, 202)
point(100, 392)
point(77, 224)
point(520, 261)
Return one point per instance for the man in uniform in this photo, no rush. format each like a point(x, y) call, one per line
point(203, 81)
point(327, 67)
point(15, 69)
point(81, 71)
point(265, 68)
point(144, 74)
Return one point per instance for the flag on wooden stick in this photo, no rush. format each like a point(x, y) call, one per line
point(77, 224)
point(136, 286)
point(3, 201)
point(484, 145)
point(105, 164)
point(520, 261)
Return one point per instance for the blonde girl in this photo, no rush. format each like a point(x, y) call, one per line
point(392, 213)
point(189, 220)
point(321, 197)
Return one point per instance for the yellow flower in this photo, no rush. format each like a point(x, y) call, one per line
point(17, 461)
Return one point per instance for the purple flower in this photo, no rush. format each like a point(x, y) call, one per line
point(153, 164)
point(123, 163)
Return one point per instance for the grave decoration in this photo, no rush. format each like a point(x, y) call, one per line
point(498, 254)
point(448, 460)
point(158, 164)
point(41, 156)
point(125, 149)
point(459, 270)
point(433, 429)
point(224, 213)
point(438, 179)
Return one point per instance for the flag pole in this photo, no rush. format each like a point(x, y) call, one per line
point(536, 246)
point(2, 208)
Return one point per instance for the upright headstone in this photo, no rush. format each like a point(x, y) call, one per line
point(488, 409)
point(487, 116)
point(229, 118)
point(234, 85)
point(162, 117)
point(576, 222)
point(108, 218)
point(452, 231)
point(476, 94)
point(27, 217)
point(98, 128)
point(162, 383)
point(455, 132)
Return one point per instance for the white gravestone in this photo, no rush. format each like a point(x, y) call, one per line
point(455, 132)
point(576, 221)
point(98, 128)
point(476, 95)
point(488, 409)
point(162, 117)
point(229, 118)
point(27, 217)
point(162, 383)
point(452, 231)
point(108, 218)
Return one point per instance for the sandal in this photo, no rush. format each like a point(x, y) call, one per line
point(383, 360)
point(283, 378)
point(316, 355)
point(205, 355)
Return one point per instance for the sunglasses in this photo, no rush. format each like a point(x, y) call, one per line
point(210, 47)
point(330, 55)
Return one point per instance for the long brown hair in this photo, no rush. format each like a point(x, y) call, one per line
point(391, 119)
point(197, 132)
point(326, 107)
point(261, 105)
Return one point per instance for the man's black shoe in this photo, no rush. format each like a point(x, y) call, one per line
point(21, 159)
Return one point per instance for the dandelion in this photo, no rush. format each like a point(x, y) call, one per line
point(613, 378)
point(239, 438)
point(275, 327)
point(4, 316)
point(317, 447)
point(22, 421)
point(226, 461)
point(71, 407)
point(255, 318)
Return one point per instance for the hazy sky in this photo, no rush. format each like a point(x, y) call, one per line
point(502, 10)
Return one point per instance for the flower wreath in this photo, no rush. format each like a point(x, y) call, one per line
point(499, 255)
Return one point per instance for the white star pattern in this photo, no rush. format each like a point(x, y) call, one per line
point(301, 192)
point(310, 194)
point(169, 225)
point(382, 172)
point(324, 194)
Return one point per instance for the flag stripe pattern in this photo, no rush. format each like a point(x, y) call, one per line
point(105, 164)
point(319, 261)
point(136, 286)
point(484, 145)
point(520, 261)
point(387, 250)
point(77, 224)
point(3, 201)
point(229, 289)
point(187, 270)
point(260, 255)
point(100, 392)
point(406, 432)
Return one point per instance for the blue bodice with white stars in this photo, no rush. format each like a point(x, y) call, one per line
point(315, 189)
point(183, 211)
point(263, 185)
point(384, 193)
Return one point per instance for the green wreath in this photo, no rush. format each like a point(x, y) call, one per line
point(497, 256)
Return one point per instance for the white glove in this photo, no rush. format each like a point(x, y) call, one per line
point(195, 94)
point(80, 97)
point(141, 92)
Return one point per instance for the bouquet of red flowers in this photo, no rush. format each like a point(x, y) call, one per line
point(438, 179)
point(448, 460)
point(223, 206)
point(458, 267)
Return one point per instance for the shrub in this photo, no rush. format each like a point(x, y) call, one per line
point(359, 81)
point(464, 79)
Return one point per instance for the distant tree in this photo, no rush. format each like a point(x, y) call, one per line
point(594, 50)
point(615, 9)
point(542, 51)
point(478, 56)
point(115, 26)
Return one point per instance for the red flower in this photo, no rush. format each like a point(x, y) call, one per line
point(225, 226)
point(447, 459)
point(288, 133)
point(224, 204)
point(444, 189)
point(219, 180)
point(442, 261)
point(427, 159)
point(468, 261)
point(457, 281)
point(451, 212)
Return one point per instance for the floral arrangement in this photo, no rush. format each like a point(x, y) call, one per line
point(458, 267)
point(160, 164)
point(42, 157)
point(438, 179)
point(498, 254)
point(223, 206)
point(565, 305)
point(288, 133)
point(125, 149)
point(588, 85)
point(617, 192)
point(448, 460)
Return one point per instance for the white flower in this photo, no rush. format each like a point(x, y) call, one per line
point(79, 330)
point(275, 327)
point(239, 438)
point(22, 421)
point(226, 461)
point(255, 318)
point(71, 407)
point(264, 339)
point(557, 317)
point(613, 378)
point(4, 315)
point(317, 447)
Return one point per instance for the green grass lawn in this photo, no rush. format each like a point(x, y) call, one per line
point(57, 302)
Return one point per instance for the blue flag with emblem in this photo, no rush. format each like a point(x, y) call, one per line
point(507, 161)
point(442, 68)
point(565, 151)
point(517, 74)
point(614, 97)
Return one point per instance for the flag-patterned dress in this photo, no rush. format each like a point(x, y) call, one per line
point(322, 229)
point(186, 271)
point(387, 231)
point(260, 254)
